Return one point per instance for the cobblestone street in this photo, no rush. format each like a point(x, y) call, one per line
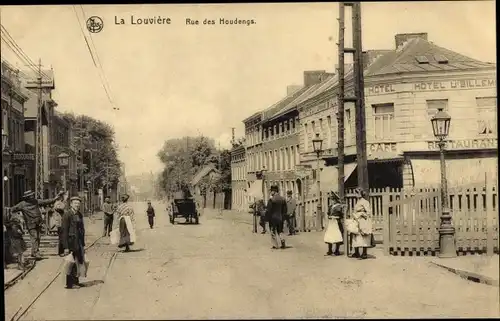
point(220, 269)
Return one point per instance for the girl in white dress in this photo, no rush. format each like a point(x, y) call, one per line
point(362, 214)
point(335, 229)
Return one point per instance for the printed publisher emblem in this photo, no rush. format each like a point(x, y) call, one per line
point(95, 24)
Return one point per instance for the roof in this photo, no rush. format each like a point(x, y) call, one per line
point(404, 59)
point(280, 105)
point(204, 171)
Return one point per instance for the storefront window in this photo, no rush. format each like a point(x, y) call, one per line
point(383, 121)
point(486, 117)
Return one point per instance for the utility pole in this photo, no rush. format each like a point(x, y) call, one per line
point(39, 139)
point(340, 104)
point(359, 92)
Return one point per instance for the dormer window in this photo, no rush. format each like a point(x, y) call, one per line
point(441, 59)
point(422, 60)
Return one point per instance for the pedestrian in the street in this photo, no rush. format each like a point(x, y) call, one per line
point(73, 237)
point(151, 214)
point(362, 215)
point(275, 214)
point(59, 208)
point(108, 209)
point(14, 231)
point(335, 228)
point(291, 206)
point(260, 211)
point(30, 207)
point(126, 221)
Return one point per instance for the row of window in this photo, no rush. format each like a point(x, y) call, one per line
point(259, 134)
point(282, 159)
point(238, 173)
point(14, 130)
point(239, 197)
point(383, 122)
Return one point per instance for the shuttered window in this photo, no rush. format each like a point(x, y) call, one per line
point(486, 115)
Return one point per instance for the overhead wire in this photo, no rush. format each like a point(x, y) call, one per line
point(95, 59)
point(99, 62)
point(19, 52)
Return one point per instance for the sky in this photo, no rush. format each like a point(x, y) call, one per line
point(173, 80)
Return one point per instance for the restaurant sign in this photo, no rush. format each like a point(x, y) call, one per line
point(484, 143)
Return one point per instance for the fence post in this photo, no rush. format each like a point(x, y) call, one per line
point(489, 215)
point(385, 218)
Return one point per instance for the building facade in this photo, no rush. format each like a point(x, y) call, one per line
point(404, 87)
point(15, 164)
point(61, 138)
point(238, 179)
point(403, 90)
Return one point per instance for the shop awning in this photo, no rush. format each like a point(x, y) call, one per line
point(255, 189)
point(348, 170)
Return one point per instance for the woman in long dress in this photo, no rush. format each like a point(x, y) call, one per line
point(362, 214)
point(125, 221)
point(335, 229)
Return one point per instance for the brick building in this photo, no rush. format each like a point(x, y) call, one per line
point(61, 141)
point(238, 179)
point(15, 163)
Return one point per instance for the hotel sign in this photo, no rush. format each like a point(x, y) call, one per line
point(455, 84)
point(484, 143)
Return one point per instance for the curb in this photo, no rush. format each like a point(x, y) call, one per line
point(470, 276)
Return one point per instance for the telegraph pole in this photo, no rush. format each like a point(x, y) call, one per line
point(359, 92)
point(39, 138)
point(340, 104)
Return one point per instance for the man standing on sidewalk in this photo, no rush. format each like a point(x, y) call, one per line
point(291, 205)
point(275, 212)
point(30, 207)
point(108, 210)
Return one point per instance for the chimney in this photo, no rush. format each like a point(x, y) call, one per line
point(291, 89)
point(404, 37)
point(313, 77)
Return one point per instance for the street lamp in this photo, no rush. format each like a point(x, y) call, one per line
point(63, 163)
point(318, 149)
point(5, 140)
point(441, 127)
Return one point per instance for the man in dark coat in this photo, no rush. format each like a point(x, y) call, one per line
point(275, 214)
point(30, 207)
point(290, 218)
point(73, 238)
point(151, 215)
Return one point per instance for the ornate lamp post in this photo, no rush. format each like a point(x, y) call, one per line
point(441, 127)
point(318, 149)
point(63, 163)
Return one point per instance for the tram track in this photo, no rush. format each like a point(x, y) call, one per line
point(22, 312)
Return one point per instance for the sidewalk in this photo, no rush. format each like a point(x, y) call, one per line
point(477, 268)
point(93, 229)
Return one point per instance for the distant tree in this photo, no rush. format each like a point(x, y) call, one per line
point(182, 159)
point(91, 134)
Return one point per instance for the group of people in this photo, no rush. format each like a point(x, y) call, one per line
point(71, 230)
point(279, 211)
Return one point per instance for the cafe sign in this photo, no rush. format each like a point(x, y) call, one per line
point(484, 143)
